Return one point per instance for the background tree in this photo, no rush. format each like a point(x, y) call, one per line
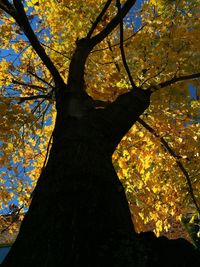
point(65, 66)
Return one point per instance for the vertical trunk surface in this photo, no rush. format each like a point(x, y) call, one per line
point(79, 214)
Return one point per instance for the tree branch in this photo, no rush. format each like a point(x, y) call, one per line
point(98, 19)
point(176, 157)
point(34, 97)
point(122, 46)
point(112, 55)
point(6, 6)
point(52, 49)
point(36, 87)
point(84, 46)
point(18, 13)
point(113, 23)
point(14, 218)
point(125, 40)
point(119, 116)
point(174, 80)
point(41, 79)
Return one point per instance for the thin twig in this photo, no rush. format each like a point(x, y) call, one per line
point(40, 79)
point(36, 87)
point(117, 44)
point(34, 97)
point(112, 55)
point(55, 50)
point(14, 217)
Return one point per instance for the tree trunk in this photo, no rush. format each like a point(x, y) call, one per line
point(79, 215)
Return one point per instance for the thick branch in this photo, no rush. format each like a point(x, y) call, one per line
point(174, 80)
point(85, 46)
point(18, 13)
point(176, 157)
point(76, 81)
point(120, 115)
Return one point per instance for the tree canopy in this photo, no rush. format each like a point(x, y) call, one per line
point(158, 48)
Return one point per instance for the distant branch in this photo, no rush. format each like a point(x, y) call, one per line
point(176, 157)
point(122, 46)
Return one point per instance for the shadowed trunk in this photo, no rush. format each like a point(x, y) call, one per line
point(79, 213)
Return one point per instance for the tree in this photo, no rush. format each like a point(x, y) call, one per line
point(97, 74)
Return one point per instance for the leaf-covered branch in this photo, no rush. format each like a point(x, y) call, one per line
point(177, 159)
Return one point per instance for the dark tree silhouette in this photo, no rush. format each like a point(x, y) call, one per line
point(79, 215)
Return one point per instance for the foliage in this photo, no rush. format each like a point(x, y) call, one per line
point(161, 42)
